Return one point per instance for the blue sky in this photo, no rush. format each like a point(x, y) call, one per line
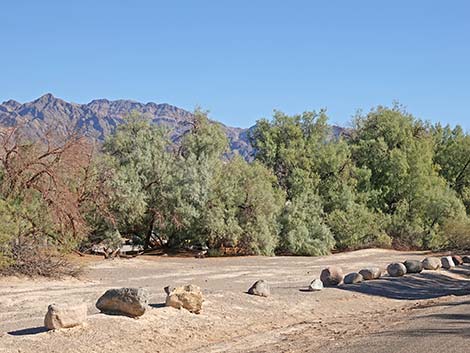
point(242, 59)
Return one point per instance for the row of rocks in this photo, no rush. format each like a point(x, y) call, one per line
point(397, 269)
point(333, 275)
point(131, 302)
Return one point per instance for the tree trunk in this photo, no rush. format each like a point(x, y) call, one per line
point(149, 233)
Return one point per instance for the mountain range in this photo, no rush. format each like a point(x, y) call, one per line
point(100, 117)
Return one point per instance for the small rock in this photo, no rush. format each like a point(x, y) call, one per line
point(466, 259)
point(188, 297)
point(123, 301)
point(353, 278)
point(457, 260)
point(331, 276)
point(413, 266)
point(260, 288)
point(201, 254)
point(315, 286)
point(396, 269)
point(431, 263)
point(65, 316)
point(447, 262)
point(371, 273)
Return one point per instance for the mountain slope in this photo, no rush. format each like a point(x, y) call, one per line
point(100, 117)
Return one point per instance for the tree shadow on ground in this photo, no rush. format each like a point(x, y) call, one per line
point(454, 322)
point(425, 285)
point(28, 331)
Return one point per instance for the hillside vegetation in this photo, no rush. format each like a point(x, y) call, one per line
point(394, 181)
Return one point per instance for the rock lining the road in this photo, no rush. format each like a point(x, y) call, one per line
point(132, 302)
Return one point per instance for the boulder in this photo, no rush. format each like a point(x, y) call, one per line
point(353, 278)
point(188, 297)
point(123, 301)
point(396, 269)
point(431, 263)
point(413, 266)
point(447, 262)
point(65, 316)
point(315, 286)
point(260, 288)
point(466, 259)
point(371, 273)
point(331, 276)
point(457, 260)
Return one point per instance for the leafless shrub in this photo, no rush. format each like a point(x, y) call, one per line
point(30, 259)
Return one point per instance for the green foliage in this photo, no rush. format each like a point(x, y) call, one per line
point(455, 235)
point(398, 151)
point(143, 179)
point(316, 171)
point(198, 161)
point(243, 209)
point(452, 155)
point(8, 231)
point(160, 189)
point(304, 231)
point(392, 181)
point(358, 227)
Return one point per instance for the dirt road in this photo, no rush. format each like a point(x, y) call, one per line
point(291, 320)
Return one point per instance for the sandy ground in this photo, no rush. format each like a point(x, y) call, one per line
point(291, 320)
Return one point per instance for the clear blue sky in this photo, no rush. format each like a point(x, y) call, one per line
point(242, 59)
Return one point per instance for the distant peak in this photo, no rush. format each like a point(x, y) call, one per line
point(99, 101)
point(48, 97)
point(11, 103)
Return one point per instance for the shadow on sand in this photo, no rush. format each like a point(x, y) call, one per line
point(425, 285)
point(454, 322)
point(28, 331)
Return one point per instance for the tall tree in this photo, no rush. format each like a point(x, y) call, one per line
point(243, 209)
point(452, 155)
point(404, 183)
point(144, 178)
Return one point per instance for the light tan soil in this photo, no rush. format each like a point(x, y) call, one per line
point(291, 320)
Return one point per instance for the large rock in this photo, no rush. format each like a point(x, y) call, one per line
point(331, 276)
point(447, 262)
point(466, 259)
point(371, 273)
point(396, 269)
point(65, 316)
point(316, 285)
point(260, 288)
point(123, 301)
point(188, 297)
point(457, 260)
point(353, 278)
point(431, 263)
point(413, 266)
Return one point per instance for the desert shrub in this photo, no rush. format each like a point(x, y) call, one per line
point(44, 182)
point(7, 232)
point(304, 231)
point(29, 258)
point(455, 235)
point(243, 209)
point(358, 227)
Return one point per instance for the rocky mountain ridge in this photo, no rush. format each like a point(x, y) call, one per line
point(99, 118)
